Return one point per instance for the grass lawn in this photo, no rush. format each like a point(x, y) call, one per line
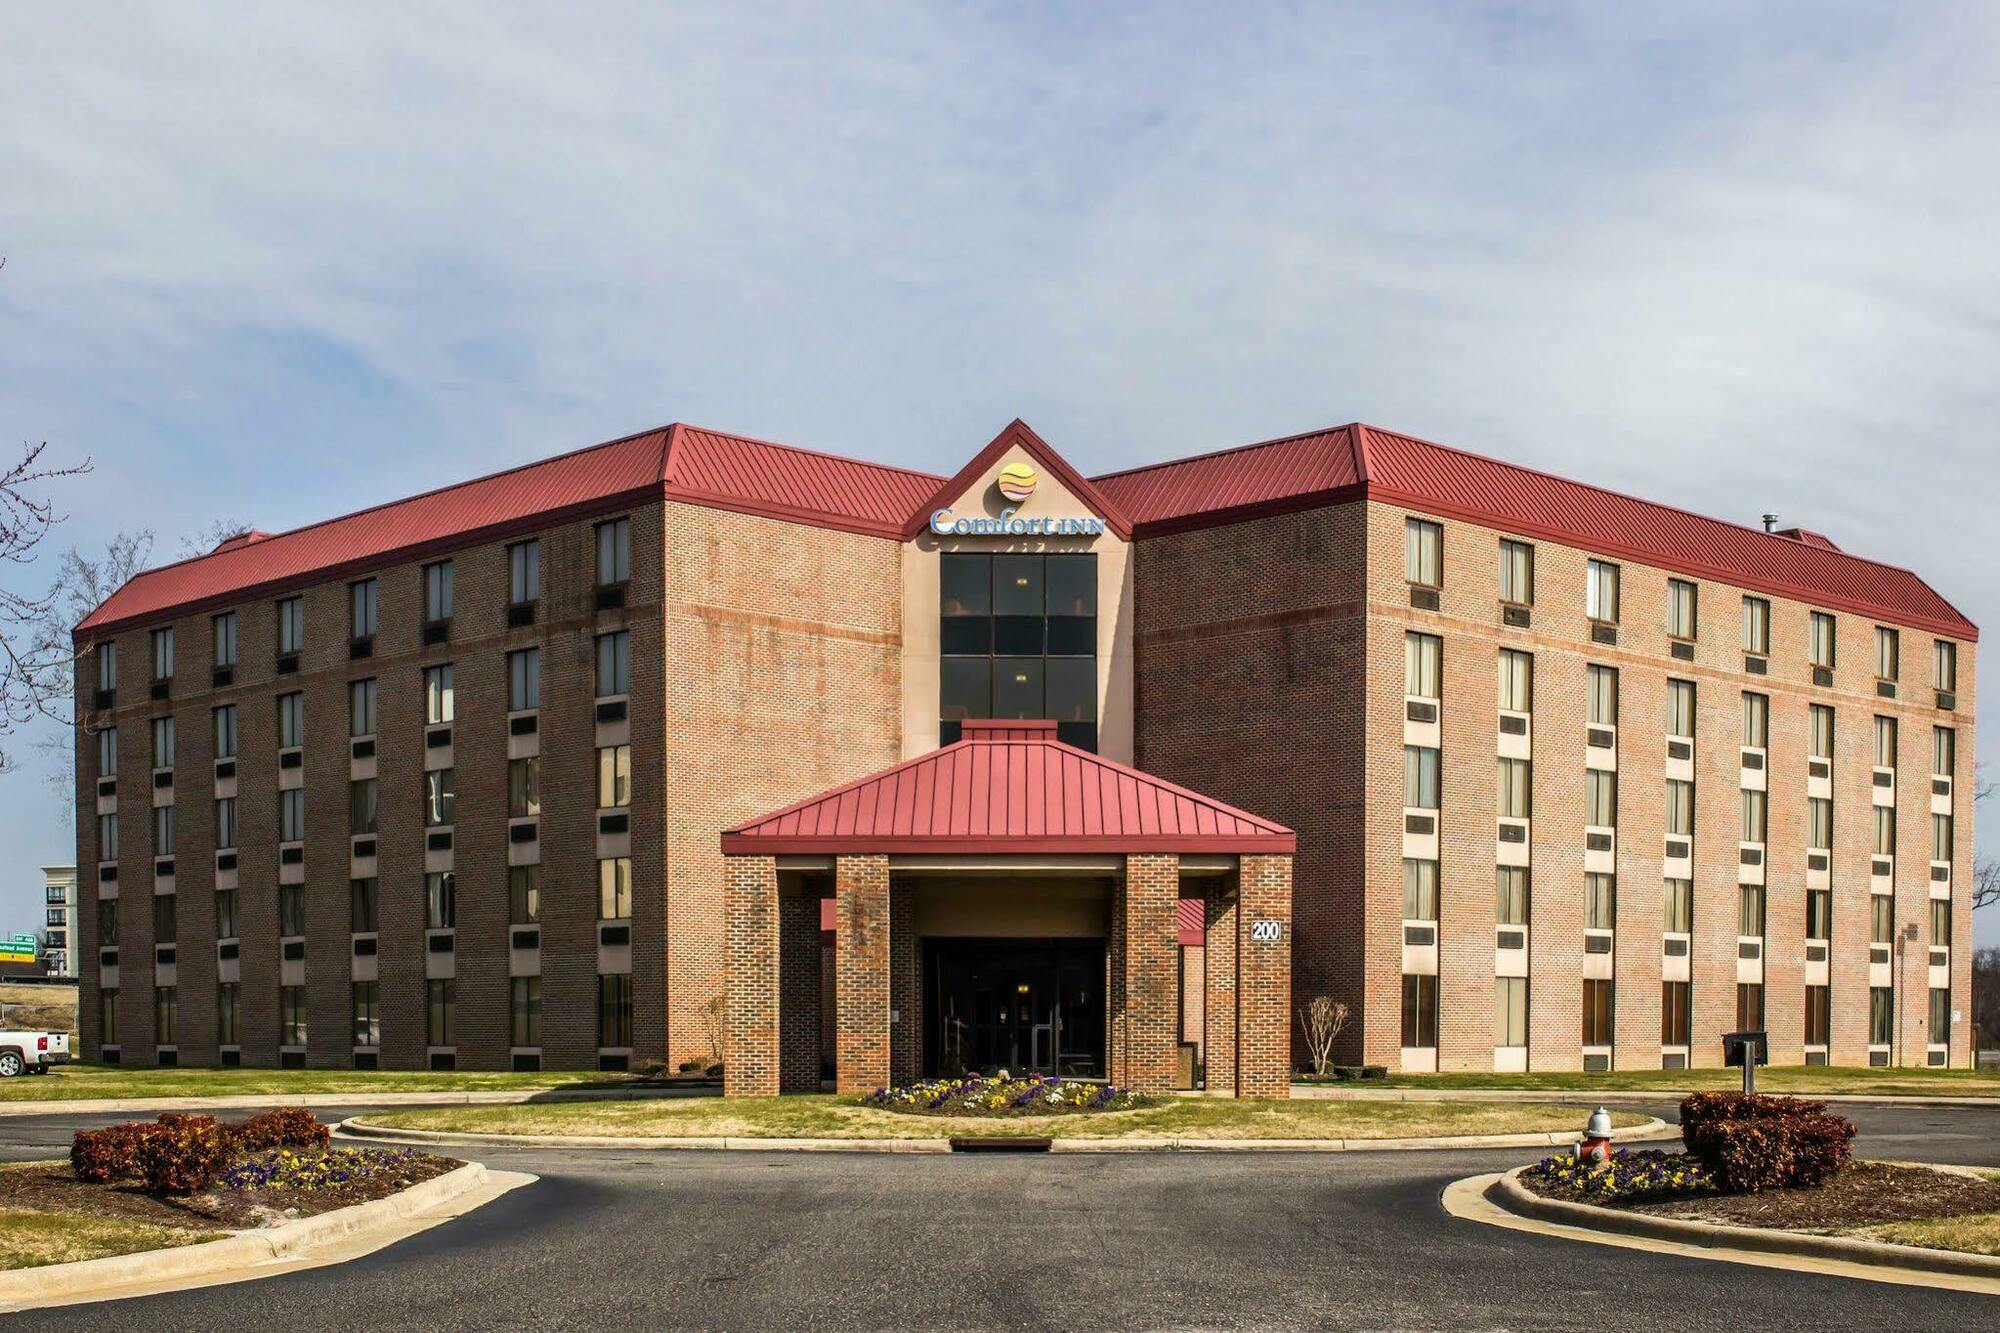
point(1978, 1233)
point(88, 1082)
point(825, 1117)
point(29, 1238)
point(1816, 1080)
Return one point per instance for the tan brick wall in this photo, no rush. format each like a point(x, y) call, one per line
point(861, 973)
point(1146, 957)
point(1219, 955)
point(752, 1060)
point(1264, 985)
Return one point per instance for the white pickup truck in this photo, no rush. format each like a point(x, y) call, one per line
point(31, 1052)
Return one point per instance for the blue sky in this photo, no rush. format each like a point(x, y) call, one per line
point(274, 262)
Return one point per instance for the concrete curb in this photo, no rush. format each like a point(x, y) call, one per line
point(1507, 1193)
point(1343, 1093)
point(238, 1250)
point(355, 1127)
point(259, 1101)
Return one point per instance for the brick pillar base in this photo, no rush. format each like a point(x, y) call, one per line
point(1264, 981)
point(798, 1000)
point(1145, 1022)
point(861, 973)
point(750, 912)
point(1219, 990)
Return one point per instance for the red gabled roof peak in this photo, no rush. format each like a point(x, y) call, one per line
point(1017, 433)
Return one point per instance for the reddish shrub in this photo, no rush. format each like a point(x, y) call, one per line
point(1756, 1143)
point(288, 1127)
point(183, 1155)
point(111, 1153)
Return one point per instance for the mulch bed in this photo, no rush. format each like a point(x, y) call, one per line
point(1861, 1194)
point(50, 1187)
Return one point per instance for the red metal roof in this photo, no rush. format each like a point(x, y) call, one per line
point(779, 481)
point(1359, 460)
point(1008, 788)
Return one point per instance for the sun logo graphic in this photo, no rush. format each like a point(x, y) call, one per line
point(1016, 481)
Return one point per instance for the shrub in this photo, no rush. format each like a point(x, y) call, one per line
point(288, 1127)
point(1757, 1143)
point(111, 1153)
point(183, 1154)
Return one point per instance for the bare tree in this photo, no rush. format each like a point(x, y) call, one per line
point(1322, 1018)
point(206, 539)
point(82, 583)
point(1985, 874)
point(34, 661)
point(1986, 999)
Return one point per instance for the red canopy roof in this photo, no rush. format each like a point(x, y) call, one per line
point(1008, 787)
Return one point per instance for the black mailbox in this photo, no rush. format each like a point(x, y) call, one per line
point(1734, 1044)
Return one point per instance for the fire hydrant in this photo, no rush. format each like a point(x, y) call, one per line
point(1596, 1143)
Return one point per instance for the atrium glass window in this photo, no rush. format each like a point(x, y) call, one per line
point(1018, 637)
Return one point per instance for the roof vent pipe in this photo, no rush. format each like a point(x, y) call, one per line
point(1770, 522)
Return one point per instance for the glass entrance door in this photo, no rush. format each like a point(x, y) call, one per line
point(1015, 1005)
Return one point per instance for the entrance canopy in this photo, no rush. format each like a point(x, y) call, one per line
point(1008, 787)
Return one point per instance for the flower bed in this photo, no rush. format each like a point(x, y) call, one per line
point(1625, 1177)
point(1005, 1095)
point(310, 1169)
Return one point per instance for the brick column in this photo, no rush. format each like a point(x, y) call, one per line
point(1144, 1023)
point(861, 973)
point(905, 988)
point(798, 1003)
point(1219, 989)
point(1264, 983)
point(750, 912)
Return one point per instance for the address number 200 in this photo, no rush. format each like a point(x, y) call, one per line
point(1267, 931)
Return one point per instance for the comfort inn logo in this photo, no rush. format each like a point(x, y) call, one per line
point(1016, 481)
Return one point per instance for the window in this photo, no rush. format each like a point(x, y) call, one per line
point(441, 1012)
point(1819, 914)
point(614, 1010)
point(614, 551)
point(1756, 627)
point(163, 653)
point(1819, 823)
point(166, 1010)
point(291, 1015)
point(1750, 910)
point(1514, 783)
point(1677, 907)
point(1018, 634)
point(614, 777)
point(1676, 1013)
point(1601, 593)
point(1423, 665)
point(1819, 1014)
point(1940, 1026)
point(524, 895)
point(1423, 553)
point(1517, 681)
point(1941, 922)
point(524, 571)
point(166, 919)
point(361, 697)
point(361, 906)
point(225, 731)
point(361, 805)
point(1601, 685)
point(228, 1014)
point(107, 837)
point(1600, 793)
point(614, 663)
point(524, 680)
point(524, 787)
point(1881, 1016)
point(224, 626)
point(1885, 742)
point(107, 1017)
point(107, 921)
point(1756, 816)
point(1944, 665)
point(1680, 709)
point(1680, 609)
point(367, 1012)
point(291, 624)
point(1944, 751)
point(1510, 894)
point(1597, 1013)
point(225, 822)
point(1749, 1007)
point(225, 914)
point(1517, 573)
point(363, 605)
point(1420, 890)
point(1820, 639)
point(614, 888)
point(1680, 808)
point(107, 666)
point(440, 798)
point(440, 701)
point(1881, 918)
point(163, 830)
point(1819, 732)
point(1940, 837)
point(291, 720)
point(1420, 1011)
point(440, 900)
point(291, 815)
point(437, 591)
point(1510, 1011)
point(163, 742)
point(1420, 777)
point(526, 1004)
point(107, 753)
point(1756, 721)
point(1600, 902)
point(291, 909)
point(1888, 653)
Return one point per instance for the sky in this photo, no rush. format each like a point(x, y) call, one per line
point(270, 263)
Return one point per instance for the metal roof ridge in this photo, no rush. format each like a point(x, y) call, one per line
point(1220, 453)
